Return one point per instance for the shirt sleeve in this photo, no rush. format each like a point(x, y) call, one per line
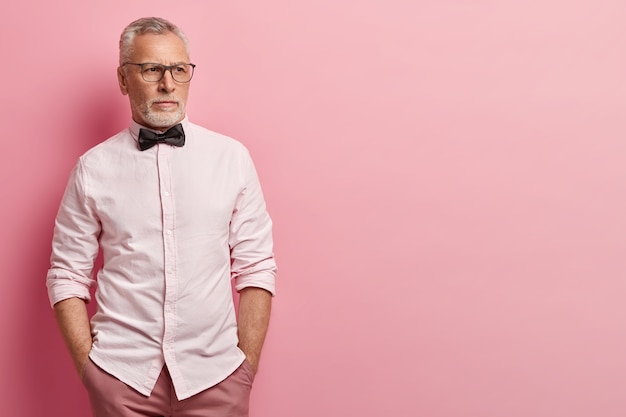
point(250, 238)
point(75, 243)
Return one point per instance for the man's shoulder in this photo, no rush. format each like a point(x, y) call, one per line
point(112, 146)
point(207, 137)
point(121, 139)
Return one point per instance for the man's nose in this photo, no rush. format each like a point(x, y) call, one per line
point(167, 83)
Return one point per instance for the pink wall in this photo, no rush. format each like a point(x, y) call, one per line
point(447, 180)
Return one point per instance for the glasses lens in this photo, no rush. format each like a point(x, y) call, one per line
point(182, 73)
point(152, 72)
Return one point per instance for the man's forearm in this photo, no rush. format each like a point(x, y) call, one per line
point(73, 321)
point(255, 305)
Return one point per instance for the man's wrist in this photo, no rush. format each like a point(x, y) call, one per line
point(254, 364)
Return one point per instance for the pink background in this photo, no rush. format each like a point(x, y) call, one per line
point(447, 181)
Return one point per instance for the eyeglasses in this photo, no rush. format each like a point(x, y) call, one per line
point(153, 73)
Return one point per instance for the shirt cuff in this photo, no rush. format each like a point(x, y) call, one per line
point(266, 281)
point(60, 289)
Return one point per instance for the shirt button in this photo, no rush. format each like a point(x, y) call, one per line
point(167, 193)
point(169, 232)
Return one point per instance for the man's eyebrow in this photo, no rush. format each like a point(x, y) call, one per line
point(170, 65)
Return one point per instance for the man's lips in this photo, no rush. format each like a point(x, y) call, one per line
point(165, 104)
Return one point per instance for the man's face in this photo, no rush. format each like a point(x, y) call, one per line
point(157, 105)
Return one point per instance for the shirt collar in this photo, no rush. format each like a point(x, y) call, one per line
point(134, 127)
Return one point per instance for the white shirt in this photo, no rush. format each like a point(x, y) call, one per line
point(174, 225)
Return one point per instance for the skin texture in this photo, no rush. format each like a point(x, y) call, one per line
point(255, 305)
point(71, 315)
point(161, 105)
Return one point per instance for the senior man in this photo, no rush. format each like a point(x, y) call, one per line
point(178, 213)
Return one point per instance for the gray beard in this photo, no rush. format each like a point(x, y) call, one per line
point(163, 119)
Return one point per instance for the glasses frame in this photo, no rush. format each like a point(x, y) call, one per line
point(165, 68)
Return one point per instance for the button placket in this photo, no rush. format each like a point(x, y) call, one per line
point(169, 248)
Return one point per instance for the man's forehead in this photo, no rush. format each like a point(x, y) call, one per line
point(159, 48)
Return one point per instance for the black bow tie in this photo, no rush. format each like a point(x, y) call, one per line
point(172, 136)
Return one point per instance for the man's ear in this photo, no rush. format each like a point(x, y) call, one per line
point(121, 79)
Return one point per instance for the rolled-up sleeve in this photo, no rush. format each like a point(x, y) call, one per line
point(251, 243)
point(75, 242)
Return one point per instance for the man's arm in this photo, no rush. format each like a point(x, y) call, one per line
point(255, 305)
point(253, 267)
point(73, 321)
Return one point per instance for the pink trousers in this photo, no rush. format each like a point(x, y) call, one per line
point(110, 397)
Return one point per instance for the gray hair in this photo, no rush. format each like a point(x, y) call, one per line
point(145, 25)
